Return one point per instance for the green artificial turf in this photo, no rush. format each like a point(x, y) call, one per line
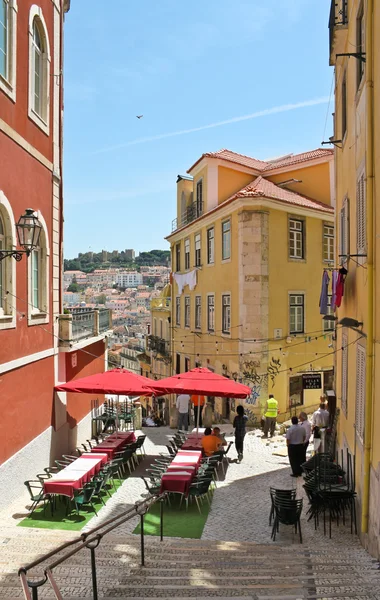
point(177, 521)
point(59, 520)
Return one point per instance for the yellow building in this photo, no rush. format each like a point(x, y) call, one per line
point(249, 246)
point(355, 54)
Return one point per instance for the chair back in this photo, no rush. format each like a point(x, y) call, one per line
point(282, 494)
point(34, 488)
point(288, 512)
point(171, 451)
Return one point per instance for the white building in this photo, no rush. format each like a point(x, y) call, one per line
point(71, 298)
point(129, 279)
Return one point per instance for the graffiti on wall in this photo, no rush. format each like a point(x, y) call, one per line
point(255, 394)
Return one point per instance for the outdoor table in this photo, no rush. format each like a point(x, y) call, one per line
point(188, 468)
point(201, 430)
point(75, 475)
point(193, 442)
point(179, 482)
point(114, 443)
point(187, 457)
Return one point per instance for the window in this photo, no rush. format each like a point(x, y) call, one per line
point(344, 231)
point(36, 290)
point(8, 16)
point(210, 246)
point(344, 372)
point(211, 313)
point(2, 269)
point(178, 311)
point(328, 324)
point(178, 257)
point(328, 243)
point(344, 106)
point(187, 253)
point(226, 240)
point(187, 311)
point(187, 364)
point(226, 313)
point(154, 326)
point(197, 245)
point(198, 312)
point(360, 389)
point(4, 35)
point(296, 238)
point(296, 313)
point(177, 363)
point(360, 44)
point(361, 221)
point(161, 329)
point(199, 197)
point(39, 69)
point(38, 277)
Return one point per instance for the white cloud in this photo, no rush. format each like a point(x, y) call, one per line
point(261, 113)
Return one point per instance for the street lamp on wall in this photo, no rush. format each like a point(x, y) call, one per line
point(28, 232)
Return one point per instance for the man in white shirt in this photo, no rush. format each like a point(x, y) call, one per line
point(320, 421)
point(295, 440)
point(305, 423)
point(183, 411)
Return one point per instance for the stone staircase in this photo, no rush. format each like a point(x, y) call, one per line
point(196, 569)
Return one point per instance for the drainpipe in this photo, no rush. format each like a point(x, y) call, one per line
point(368, 425)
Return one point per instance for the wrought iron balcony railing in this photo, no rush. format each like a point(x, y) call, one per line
point(159, 345)
point(338, 17)
point(192, 212)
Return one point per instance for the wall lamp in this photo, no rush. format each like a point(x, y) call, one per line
point(28, 232)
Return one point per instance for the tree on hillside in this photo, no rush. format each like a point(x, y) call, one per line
point(73, 287)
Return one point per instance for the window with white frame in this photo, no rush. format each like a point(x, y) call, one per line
point(296, 238)
point(344, 230)
point(7, 266)
point(187, 311)
point(210, 246)
point(2, 269)
point(328, 324)
point(178, 257)
point(197, 247)
point(226, 313)
point(198, 312)
point(360, 389)
point(39, 69)
point(296, 313)
point(8, 21)
point(178, 310)
point(187, 253)
point(38, 277)
point(211, 312)
point(361, 218)
point(344, 372)
point(226, 239)
point(328, 242)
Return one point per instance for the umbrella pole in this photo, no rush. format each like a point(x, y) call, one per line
point(198, 415)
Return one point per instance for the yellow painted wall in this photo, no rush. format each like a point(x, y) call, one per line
point(186, 186)
point(315, 181)
point(231, 181)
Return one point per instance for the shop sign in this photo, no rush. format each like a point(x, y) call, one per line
point(312, 382)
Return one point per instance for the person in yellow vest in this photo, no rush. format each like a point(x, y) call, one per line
point(271, 411)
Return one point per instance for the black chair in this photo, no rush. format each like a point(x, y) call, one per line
point(171, 451)
point(83, 497)
point(140, 444)
point(36, 493)
point(287, 512)
point(281, 494)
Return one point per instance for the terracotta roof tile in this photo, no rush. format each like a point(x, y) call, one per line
point(262, 188)
point(298, 158)
point(262, 165)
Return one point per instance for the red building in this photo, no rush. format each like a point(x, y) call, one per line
point(38, 345)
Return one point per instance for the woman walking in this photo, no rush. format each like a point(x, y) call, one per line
point(239, 424)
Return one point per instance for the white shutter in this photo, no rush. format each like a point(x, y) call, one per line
point(344, 372)
point(360, 389)
point(344, 230)
point(361, 211)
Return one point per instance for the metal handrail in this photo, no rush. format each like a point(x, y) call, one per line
point(90, 541)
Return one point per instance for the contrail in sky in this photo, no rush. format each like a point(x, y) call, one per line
point(255, 115)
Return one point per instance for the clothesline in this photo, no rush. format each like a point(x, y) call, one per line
point(337, 292)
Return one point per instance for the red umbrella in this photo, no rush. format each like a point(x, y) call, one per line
point(200, 381)
point(116, 381)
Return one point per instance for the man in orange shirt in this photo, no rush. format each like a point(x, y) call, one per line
point(198, 403)
point(210, 443)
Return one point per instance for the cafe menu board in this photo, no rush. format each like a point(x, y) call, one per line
point(312, 382)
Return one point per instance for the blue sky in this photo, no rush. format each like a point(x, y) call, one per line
point(183, 65)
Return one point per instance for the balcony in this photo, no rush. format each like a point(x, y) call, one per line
point(338, 26)
point(161, 304)
point(192, 212)
point(159, 345)
point(83, 323)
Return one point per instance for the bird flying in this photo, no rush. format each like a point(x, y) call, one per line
point(139, 116)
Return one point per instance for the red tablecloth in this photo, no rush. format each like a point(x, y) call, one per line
point(173, 482)
point(180, 482)
point(75, 475)
point(114, 443)
point(193, 442)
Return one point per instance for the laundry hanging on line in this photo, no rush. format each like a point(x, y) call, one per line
point(324, 297)
point(184, 279)
point(337, 292)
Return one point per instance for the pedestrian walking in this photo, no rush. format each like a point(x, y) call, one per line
point(239, 424)
point(271, 412)
point(198, 403)
point(295, 439)
point(183, 411)
point(305, 423)
point(320, 421)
